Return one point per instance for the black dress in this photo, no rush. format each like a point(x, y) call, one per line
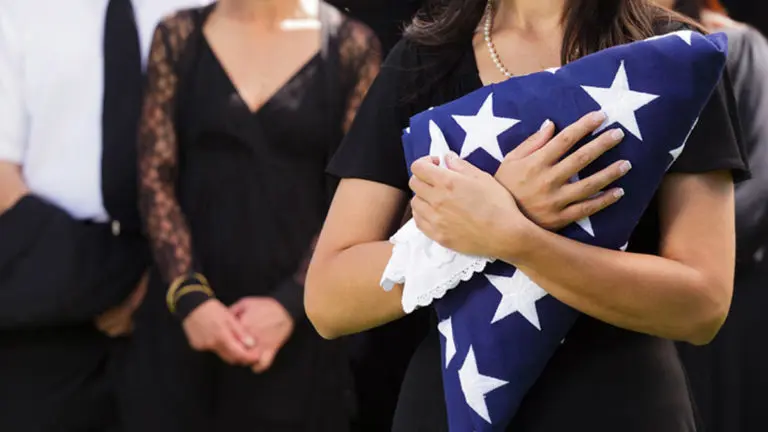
point(729, 378)
point(239, 196)
point(603, 378)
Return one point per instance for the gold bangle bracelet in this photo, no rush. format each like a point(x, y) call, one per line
point(171, 296)
point(187, 290)
point(171, 293)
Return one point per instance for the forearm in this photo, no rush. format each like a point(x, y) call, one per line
point(343, 295)
point(642, 293)
point(12, 186)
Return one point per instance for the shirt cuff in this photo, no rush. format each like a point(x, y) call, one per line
point(189, 302)
point(11, 153)
point(290, 294)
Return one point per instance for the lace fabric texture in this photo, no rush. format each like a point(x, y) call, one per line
point(425, 268)
point(165, 223)
point(158, 151)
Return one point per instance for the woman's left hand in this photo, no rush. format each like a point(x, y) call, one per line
point(463, 208)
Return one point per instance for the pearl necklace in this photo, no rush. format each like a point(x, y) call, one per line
point(491, 47)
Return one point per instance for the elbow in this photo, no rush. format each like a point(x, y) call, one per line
point(317, 307)
point(711, 313)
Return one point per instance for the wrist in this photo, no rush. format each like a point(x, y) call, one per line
point(515, 238)
point(187, 293)
point(10, 199)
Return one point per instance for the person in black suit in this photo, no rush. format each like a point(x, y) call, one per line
point(72, 256)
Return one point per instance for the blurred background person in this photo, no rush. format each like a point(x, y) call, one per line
point(246, 103)
point(387, 18)
point(71, 249)
point(729, 378)
point(754, 12)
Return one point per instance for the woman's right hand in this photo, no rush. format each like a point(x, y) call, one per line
point(213, 327)
point(544, 183)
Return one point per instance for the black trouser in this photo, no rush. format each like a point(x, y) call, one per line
point(56, 275)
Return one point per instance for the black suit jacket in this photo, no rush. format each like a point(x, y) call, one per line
point(56, 270)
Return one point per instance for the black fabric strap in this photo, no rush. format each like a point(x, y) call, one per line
point(123, 82)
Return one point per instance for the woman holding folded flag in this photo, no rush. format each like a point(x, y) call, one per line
point(618, 368)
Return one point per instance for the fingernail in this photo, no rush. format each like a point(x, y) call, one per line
point(451, 156)
point(249, 342)
point(618, 193)
point(545, 125)
point(617, 134)
point(599, 117)
point(625, 167)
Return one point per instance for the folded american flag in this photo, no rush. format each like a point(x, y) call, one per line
point(499, 329)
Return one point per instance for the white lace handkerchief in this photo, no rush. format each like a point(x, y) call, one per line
point(426, 269)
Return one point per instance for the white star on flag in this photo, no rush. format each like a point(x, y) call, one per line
point(685, 35)
point(438, 145)
point(619, 102)
point(518, 294)
point(445, 327)
point(552, 70)
point(483, 130)
point(476, 386)
point(676, 152)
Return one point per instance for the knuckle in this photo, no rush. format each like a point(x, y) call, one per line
point(449, 184)
point(438, 203)
point(549, 182)
point(590, 208)
point(589, 186)
point(551, 222)
point(583, 157)
point(569, 136)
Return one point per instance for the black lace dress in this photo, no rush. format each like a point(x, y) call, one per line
point(239, 196)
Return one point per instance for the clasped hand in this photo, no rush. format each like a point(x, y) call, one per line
point(468, 210)
point(248, 333)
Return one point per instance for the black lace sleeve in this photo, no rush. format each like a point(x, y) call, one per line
point(360, 53)
point(158, 153)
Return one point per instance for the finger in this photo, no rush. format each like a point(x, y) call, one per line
point(265, 362)
point(238, 308)
point(594, 184)
point(430, 173)
point(591, 206)
point(534, 143)
point(233, 349)
point(568, 137)
point(238, 331)
point(421, 189)
point(422, 214)
point(587, 154)
point(421, 211)
point(459, 165)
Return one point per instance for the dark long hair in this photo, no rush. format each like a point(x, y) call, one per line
point(590, 25)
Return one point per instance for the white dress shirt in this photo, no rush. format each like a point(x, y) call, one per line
point(51, 94)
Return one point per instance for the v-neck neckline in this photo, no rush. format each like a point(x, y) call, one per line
point(253, 111)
